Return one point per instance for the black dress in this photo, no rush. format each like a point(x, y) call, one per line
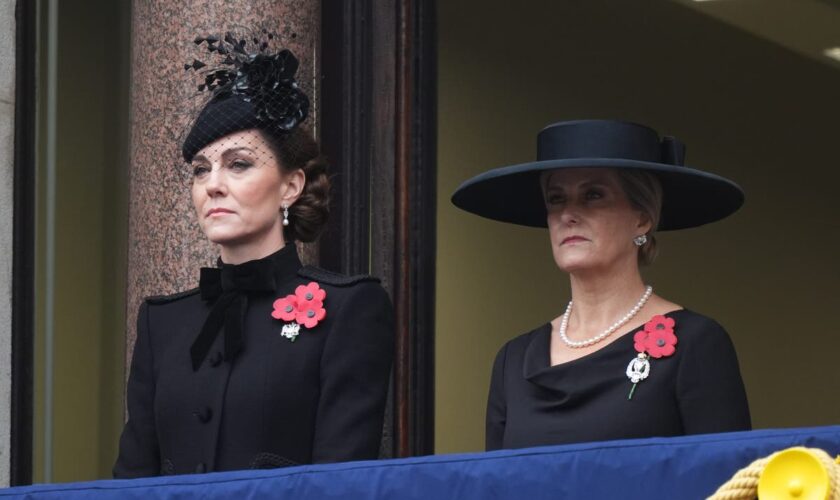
point(696, 390)
point(263, 400)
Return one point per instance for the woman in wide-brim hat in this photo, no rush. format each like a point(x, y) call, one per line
point(621, 361)
point(268, 363)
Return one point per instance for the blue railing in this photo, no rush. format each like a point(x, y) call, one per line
point(673, 468)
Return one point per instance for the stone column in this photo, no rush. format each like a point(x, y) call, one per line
point(166, 246)
point(7, 137)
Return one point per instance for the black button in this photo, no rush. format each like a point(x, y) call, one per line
point(204, 415)
point(201, 468)
point(216, 359)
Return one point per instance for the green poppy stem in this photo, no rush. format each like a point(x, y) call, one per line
point(632, 390)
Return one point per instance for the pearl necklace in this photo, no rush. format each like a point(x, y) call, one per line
point(576, 344)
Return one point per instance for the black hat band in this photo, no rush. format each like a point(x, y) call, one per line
point(602, 139)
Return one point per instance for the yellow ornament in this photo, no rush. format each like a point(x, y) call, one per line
point(794, 474)
point(791, 474)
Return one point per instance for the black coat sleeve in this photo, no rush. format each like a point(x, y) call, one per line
point(355, 372)
point(139, 455)
point(710, 391)
point(496, 404)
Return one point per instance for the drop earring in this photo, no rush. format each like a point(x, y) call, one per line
point(285, 215)
point(640, 240)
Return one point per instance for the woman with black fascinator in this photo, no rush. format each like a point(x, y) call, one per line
point(267, 363)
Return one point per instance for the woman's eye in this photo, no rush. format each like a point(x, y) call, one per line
point(594, 194)
point(200, 170)
point(240, 165)
point(555, 198)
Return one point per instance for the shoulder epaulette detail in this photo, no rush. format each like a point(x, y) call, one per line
point(164, 299)
point(331, 278)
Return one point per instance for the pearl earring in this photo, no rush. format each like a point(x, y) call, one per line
point(640, 240)
point(285, 215)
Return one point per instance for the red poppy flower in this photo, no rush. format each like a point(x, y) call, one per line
point(305, 306)
point(285, 308)
point(660, 343)
point(639, 340)
point(659, 322)
point(657, 338)
point(310, 313)
point(310, 293)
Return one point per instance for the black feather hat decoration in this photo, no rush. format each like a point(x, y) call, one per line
point(251, 87)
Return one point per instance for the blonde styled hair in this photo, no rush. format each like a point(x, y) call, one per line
point(644, 192)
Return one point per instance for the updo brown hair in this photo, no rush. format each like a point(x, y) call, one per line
point(644, 191)
point(309, 214)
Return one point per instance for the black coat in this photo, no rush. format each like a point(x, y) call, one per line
point(320, 398)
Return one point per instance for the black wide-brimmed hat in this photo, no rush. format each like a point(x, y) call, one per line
point(691, 197)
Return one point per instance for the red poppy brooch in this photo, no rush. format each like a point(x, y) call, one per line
point(305, 307)
point(655, 340)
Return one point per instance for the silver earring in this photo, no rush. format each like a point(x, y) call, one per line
point(285, 215)
point(640, 240)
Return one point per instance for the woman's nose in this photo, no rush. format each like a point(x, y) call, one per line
point(570, 214)
point(215, 183)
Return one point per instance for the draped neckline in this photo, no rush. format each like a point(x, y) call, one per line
point(537, 367)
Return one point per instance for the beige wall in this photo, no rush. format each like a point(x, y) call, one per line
point(747, 109)
point(90, 233)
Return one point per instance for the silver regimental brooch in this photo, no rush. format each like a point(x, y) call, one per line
point(655, 340)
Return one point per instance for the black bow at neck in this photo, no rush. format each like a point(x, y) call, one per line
point(228, 287)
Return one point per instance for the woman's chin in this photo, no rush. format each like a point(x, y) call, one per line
point(224, 238)
point(573, 268)
point(573, 263)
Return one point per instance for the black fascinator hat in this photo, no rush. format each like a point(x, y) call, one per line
point(691, 197)
point(250, 88)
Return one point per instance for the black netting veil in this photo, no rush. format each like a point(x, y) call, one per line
point(251, 86)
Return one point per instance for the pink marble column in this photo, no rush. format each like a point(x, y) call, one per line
point(166, 246)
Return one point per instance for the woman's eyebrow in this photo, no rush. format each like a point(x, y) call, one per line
point(595, 183)
point(200, 158)
point(231, 151)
